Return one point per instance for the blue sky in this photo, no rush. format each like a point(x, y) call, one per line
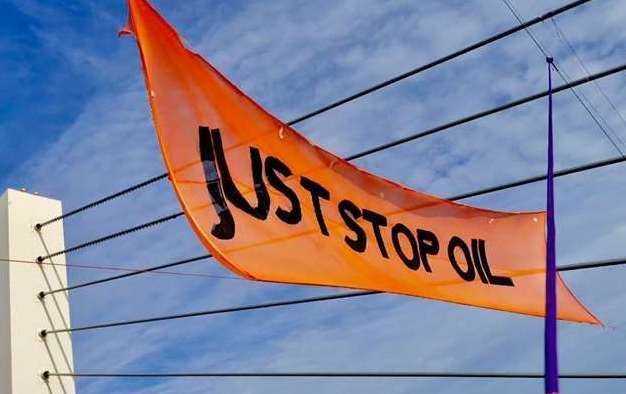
point(75, 125)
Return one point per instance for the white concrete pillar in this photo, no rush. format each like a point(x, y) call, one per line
point(23, 354)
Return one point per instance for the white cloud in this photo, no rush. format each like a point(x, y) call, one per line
point(293, 57)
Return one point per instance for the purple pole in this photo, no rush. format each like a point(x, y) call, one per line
point(550, 335)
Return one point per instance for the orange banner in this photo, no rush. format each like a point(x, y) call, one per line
point(272, 206)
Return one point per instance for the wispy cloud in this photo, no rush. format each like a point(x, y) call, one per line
point(294, 56)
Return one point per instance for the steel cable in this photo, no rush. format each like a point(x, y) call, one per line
point(350, 98)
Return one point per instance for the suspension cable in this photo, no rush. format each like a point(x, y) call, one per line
point(561, 36)
point(42, 294)
point(415, 136)
point(113, 196)
point(441, 60)
point(455, 375)
point(111, 236)
point(526, 181)
point(388, 145)
point(492, 189)
point(581, 97)
point(592, 265)
point(44, 333)
point(488, 112)
point(352, 97)
point(352, 294)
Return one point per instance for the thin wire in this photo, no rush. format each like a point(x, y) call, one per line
point(354, 96)
point(561, 35)
point(353, 294)
point(112, 236)
point(521, 182)
point(458, 375)
point(125, 269)
point(42, 294)
point(586, 103)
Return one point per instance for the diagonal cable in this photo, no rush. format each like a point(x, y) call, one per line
point(586, 103)
point(338, 103)
point(561, 35)
point(441, 60)
point(385, 146)
point(101, 201)
point(479, 192)
point(491, 111)
point(42, 294)
point(124, 269)
point(353, 294)
point(112, 236)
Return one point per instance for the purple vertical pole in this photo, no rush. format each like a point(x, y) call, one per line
point(550, 335)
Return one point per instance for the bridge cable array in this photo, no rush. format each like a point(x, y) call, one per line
point(582, 99)
point(308, 300)
point(350, 98)
point(367, 152)
point(561, 36)
point(522, 375)
point(492, 189)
